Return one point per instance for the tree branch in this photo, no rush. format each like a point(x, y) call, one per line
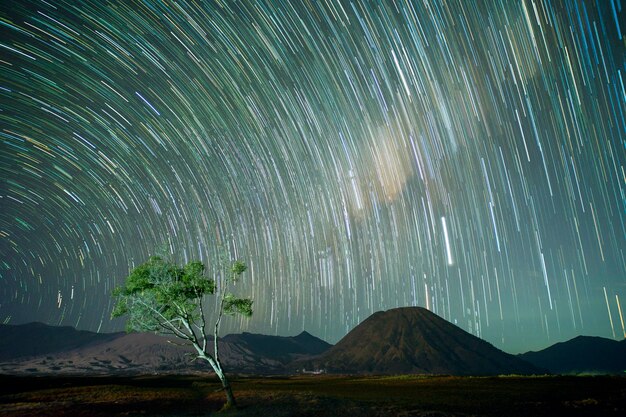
point(164, 322)
point(220, 313)
point(186, 319)
point(202, 325)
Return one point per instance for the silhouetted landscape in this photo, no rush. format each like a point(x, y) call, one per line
point(409, 340)
point(405, 361)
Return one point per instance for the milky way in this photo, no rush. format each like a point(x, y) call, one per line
point(468, 157)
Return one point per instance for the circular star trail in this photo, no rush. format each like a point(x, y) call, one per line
point(468, 157)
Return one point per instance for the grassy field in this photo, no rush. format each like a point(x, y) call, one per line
point(315, 395)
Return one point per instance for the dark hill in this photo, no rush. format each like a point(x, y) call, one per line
point(279, 348)
point(35, 339)
point(415, 340)
point(582, 354)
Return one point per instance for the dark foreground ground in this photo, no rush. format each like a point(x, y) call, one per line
point(314, 395)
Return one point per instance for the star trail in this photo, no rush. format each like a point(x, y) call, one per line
point(465, 156)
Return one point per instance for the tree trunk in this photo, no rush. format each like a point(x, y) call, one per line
point(230, 398)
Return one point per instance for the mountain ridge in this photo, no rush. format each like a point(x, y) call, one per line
point(38, 338)
point(581, 354)
point(40, 348)
point(403, 340)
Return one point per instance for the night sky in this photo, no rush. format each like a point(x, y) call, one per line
point(468, 157)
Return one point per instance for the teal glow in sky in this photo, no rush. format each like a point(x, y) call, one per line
point(468, 157)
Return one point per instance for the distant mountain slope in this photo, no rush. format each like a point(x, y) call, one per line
point(279, 348)
point(582, 354)
point(136, 353)
point(415, 340)
point(38, 348)
point(35, 339)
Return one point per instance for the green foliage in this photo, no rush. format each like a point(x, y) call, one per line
point(233, 305)
point(238, 268)
point(159, 294)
